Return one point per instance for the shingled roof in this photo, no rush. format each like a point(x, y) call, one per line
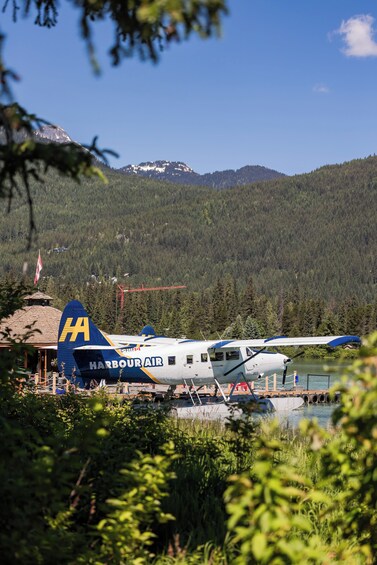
point(37, 297)
point(44, 318)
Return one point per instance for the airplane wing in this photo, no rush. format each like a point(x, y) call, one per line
point(282, 341)
point(132, 340)
point(131, 345)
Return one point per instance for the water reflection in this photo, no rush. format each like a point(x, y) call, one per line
point(331, 372)
point(318, 375)
point(322, 412)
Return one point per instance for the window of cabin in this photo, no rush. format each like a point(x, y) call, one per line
point(189, 359)
point(230, 355)
point(216, 355)
point(171, 360)
point(204, 357)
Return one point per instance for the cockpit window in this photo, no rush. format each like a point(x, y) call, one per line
point(204, 357)
point(230, 355)
point(216, 355)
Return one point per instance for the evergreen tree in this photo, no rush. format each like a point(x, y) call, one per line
point(230, 298)
point(248, 299)
point(175, 315)
point(329, 324)
point(272, 322)
point(219, 309)
point(252, 329)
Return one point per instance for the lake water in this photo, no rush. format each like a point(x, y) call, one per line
point(314, 375)
point(322, 412)
point(318, 374)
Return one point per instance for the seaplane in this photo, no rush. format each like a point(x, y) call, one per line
point(87, 355)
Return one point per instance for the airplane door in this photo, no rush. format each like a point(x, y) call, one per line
point(196, 367)
point(188, 367)
point(217, 362)
point(191, 366)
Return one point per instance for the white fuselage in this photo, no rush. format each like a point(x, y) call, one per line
point(185, 362)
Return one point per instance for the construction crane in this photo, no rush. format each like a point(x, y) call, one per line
point(122, 290)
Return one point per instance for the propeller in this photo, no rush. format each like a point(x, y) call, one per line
point(297, 355)
point(286, 366)
point(284, 374)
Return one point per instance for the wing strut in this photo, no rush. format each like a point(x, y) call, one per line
point(221, 390)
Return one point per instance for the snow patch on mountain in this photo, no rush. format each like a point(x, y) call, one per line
point(158, 169)
point(52, 133)
point(46, 134)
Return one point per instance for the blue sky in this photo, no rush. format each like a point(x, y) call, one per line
point(290, 85)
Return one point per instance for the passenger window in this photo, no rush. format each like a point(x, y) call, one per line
point(189, 359)
point(171, 360)
point(230, 355)
point(216, 355)
point(204, 357)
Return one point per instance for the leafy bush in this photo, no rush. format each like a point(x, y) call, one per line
point(96, 480)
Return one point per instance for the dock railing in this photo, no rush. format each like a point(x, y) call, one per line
point(274, 383)
point(325, 378)
point(55, 384)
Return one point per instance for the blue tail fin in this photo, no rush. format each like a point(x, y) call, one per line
point(75, 330)
point(147, 331)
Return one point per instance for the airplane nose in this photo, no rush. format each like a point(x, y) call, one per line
point(287, 360)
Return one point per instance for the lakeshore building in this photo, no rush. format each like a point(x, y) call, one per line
point(41, 320)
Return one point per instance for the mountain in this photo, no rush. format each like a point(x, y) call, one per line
point(173, 171)
point(46, 133)
point(239, 177)
point(180, 173)
point(52, 133)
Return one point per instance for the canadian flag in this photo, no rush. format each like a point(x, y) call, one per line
point(38, 269)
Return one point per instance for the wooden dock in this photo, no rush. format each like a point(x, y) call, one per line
point(265, 388)
point(309, 396)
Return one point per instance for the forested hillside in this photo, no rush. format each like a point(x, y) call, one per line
point(313, 235)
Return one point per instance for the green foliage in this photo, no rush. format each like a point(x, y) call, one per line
point(53, 498)
point(12, 358)
point(94, 480)
point(313, 499)
point(350, 460)
point(11, 297)
point(123, 534)
point(267, 510)
point(142, 27)
point(99, 473)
